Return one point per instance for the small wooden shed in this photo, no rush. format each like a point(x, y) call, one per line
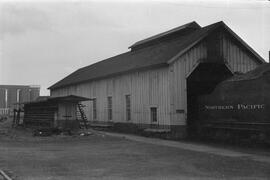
point(53, 112)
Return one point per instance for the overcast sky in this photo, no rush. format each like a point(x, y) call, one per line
point(42, 42)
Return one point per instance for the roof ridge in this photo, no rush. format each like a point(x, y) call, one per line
point(144, 57)
point(193, 24)
point(128, 52)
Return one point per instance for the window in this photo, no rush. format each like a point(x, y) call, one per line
point(153, 114)
point(94, 108)
point(110, 108)
point(128, 108)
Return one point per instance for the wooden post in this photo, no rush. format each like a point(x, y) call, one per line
point(18, 117)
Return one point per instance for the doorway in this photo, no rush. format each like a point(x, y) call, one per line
point(201, 81)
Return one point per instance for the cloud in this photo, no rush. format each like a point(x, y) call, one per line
point(81, 15)
point(20, 18)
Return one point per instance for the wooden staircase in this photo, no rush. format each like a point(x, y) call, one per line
point(82, 117)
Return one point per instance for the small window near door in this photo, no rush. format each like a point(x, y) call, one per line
point(153, 114)
point(110, 108)
point(94, 108)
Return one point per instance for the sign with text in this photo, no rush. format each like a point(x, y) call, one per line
point(235, 107)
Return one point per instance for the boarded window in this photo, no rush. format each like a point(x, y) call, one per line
point(110, 108)
point(94, 108)
point(153, 114)
point(128, 108)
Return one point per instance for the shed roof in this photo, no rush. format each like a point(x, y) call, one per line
point(70, 98)
point(155, 55)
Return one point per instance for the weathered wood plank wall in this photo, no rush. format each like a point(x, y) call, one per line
point(164, 88)
point(148, 88)
point(238, 59)
point(178, 73)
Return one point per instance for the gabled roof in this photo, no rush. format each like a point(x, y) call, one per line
point(186, 28)
point(158, 54)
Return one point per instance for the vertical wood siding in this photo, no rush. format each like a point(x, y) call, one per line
point(238, 59)
point(179, 70)
point(148, 88)
point(164, 88)
point(66, 109)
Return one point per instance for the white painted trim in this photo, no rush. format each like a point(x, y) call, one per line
point(193, 68)
point(242, 42)
point(229, 67)
point(185, 50)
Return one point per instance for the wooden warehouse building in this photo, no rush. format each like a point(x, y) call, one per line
point(157, 82)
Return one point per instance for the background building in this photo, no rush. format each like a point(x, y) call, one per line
point(157, 83)
point(12, 94)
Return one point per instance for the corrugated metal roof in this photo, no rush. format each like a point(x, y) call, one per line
point(154, 55)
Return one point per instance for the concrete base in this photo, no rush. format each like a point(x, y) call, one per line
point(179, 131)
point(148, 130)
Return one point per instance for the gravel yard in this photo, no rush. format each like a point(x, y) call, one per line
point(105, 157)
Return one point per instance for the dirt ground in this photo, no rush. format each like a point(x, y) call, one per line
point(100, 156)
